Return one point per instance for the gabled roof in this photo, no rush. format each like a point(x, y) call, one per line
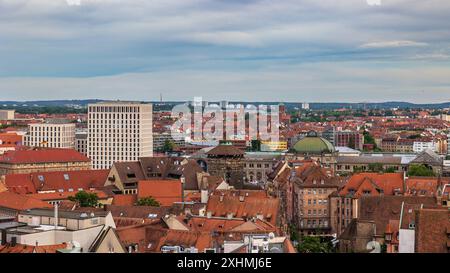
point(422, 186)
point(148, 168)
point(55, 181)
point(19, 202)
point(225, 150)
point(19, 248)
point(432, 231)
point(242, 206)
point(428, 157)
point(375, 183)
point(381, 209)
point(40, 156)
point(166, 192)
point(157, 238)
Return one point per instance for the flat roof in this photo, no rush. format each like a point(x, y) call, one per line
point(80, 215)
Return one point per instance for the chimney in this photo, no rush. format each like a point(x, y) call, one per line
point(204, 196)
point(56, 215)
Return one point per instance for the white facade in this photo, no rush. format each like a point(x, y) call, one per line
point(119, 132)
point(406, 241)
point(51, 135)
point(419, 146)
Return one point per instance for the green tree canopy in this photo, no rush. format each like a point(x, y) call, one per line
point(148, 201)
point(420, 170)
point(85, 199)
point(313, 244)
point(169, 146)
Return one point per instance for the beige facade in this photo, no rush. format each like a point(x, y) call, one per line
point(119, 132)
point(7, 114)
point(51, 135)
point(7, 168)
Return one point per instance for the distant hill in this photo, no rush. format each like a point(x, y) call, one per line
point(289, 105)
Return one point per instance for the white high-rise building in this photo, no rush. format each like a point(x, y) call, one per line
point(118, 132)
point(51, 135)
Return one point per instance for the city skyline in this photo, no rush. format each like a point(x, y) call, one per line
point(318, 51)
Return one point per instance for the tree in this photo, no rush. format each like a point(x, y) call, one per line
point(313, 244)
point(376, 167)
point(256, 145)
point(85, 199)
point(420, 170)
point(148, 201)
point(169, 146)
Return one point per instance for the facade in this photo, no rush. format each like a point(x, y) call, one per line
point(228, 162)
point(420, 146)
point(81, 142)
point(258, 165)
point(125, 176)
point(312, 187)
point(7, 114)
point(51, 135)
point(42, 160)
point(119, 131)
point(159, 139)
point(346, 138)
point(344, 204)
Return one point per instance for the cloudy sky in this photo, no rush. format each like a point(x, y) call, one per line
point(264, 50)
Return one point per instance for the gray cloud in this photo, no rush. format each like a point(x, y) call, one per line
point(257, 48)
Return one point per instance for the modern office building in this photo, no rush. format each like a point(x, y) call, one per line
point(51, 135)
point(81, 140)
point(119, 131)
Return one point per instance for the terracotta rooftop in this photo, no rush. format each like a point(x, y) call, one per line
point(20, 202)
point(373, 184)
point(42, 156)
point(166, 192)
point(432, 231)
point(55, 181)
point(243, 207)
point(225, 150)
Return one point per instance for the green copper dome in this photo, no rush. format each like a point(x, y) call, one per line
point(313, 144)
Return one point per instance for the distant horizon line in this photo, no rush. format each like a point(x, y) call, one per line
point(221, 100)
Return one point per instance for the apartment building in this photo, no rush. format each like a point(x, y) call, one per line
point(119, 131)
point(7, 114)
point(51, 135)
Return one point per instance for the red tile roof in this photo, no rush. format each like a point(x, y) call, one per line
point(422, 186)
point(157, 237)
point(374, 183)
point(20, 202)
point(11, 139)
point(166, 192)
point(432, 231)
point(42, 156)
point(31, 249)
point(124, 199)
point(50, 196)
point(244, 206)
point(54, 181)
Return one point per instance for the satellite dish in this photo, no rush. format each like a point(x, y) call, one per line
point(76, 244)
point(374, 247)
point(275, 250)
